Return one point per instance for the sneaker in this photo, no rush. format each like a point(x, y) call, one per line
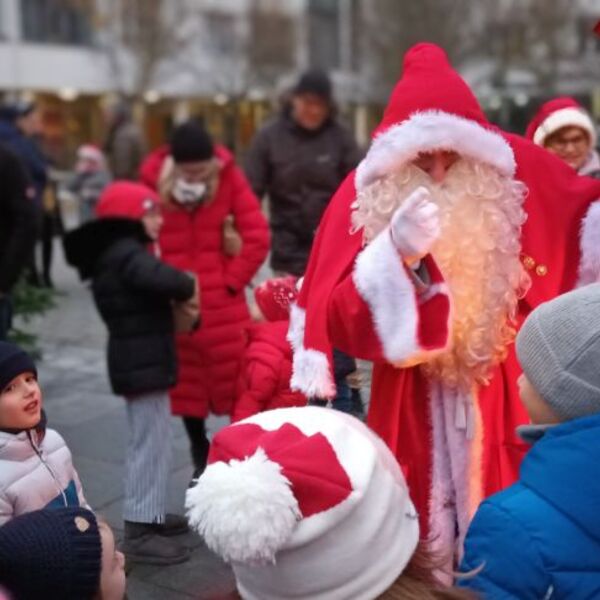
point(142, 545)
point(173, 525)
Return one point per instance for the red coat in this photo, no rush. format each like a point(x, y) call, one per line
point(264, 382)
point(209, 359)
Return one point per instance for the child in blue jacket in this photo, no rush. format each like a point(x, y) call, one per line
point(540, 538)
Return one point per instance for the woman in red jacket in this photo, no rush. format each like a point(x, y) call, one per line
point(264, 382)
point(203, 188)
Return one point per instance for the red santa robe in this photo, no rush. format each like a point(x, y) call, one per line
point(363, 299)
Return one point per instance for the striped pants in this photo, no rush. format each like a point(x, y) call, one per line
point(148, 458)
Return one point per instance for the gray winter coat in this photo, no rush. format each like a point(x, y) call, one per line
point(36, 471)
point(125, 149)
point(300, 170)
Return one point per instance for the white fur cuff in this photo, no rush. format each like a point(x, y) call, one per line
point(381, 280)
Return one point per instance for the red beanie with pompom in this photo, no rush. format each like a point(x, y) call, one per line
point(126, 199)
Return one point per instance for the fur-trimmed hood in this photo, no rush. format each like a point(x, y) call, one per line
point(86, 244)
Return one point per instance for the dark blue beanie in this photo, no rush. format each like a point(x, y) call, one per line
point(51, 553)
point(13, 362)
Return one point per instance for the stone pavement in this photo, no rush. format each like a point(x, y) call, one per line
point(81, 407)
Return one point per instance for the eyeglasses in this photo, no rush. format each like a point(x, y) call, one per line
point(562, 142)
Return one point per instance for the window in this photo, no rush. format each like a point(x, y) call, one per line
point(324, 34)
point(55, 21)
point(220, 29)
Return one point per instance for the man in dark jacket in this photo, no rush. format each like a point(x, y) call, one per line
point(20, 127)
point(17, 230)
point(125, 144)
point(299, 160)
point(134, 292)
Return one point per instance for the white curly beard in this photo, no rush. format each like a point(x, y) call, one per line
point(481, 215)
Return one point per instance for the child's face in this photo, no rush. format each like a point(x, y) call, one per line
point(538, 410)
point(21, 403)
point(153, 221)
point(112, 577)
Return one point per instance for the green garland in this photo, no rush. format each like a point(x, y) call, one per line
point(28, 302)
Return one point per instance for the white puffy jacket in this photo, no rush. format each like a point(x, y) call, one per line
point(36, 471)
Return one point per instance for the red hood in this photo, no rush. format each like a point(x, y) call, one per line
point(273, 333)
point(152, 165)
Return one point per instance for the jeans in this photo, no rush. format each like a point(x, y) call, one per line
point(343, 397)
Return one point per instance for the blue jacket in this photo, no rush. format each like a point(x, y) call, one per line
point(34, 161)
point(540, 538)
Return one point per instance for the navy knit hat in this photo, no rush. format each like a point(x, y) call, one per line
point(13, 362)
point(52, 553)
point(314, 82)
point(191, 143)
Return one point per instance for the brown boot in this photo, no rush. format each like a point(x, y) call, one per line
point(143, 545)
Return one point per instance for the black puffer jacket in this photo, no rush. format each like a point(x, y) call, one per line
point(300, 170)
point(133, 291)
point(17, 219)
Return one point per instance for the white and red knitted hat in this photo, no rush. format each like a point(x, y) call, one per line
point(556, 114)
point(305, 503)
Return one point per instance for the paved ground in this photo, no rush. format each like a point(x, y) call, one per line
point(81, 407)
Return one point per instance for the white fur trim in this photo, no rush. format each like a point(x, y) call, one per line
point(589, 266)
point(381, 280)
point(295, 334)
point(433, 130)
point(311, 371)
point(442, 513)
point(245, 509)
point(565, 117)
point(456, 466)
point(312, 374)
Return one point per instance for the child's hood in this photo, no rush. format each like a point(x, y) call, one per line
point(562, 468)
point(271, 334)
point(86, 244)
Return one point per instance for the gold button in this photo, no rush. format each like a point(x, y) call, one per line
point(528, 262)
point(541, 270)
point(82, 524)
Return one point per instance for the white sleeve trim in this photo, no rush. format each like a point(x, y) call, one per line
point(382, 281)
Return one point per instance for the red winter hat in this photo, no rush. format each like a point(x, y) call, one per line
point(286, 491)
point(126, 199)
point(274, 297)
point(432, 108)
point(556, 114)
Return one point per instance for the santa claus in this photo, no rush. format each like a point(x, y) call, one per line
point(429, 257)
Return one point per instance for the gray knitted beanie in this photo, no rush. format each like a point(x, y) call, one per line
point(558, 347)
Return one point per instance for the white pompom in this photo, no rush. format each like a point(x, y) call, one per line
point(245, 509)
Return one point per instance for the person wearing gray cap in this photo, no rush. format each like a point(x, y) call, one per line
point(540, 538)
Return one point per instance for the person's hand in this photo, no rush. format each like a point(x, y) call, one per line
point(415, 225)
point(232, 240)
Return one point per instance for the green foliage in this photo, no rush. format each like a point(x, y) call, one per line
point(29, 302)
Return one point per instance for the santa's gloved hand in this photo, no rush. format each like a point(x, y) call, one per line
point(415, 225)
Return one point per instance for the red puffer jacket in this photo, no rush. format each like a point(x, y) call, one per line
point(264, 381)
point(209, 359)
